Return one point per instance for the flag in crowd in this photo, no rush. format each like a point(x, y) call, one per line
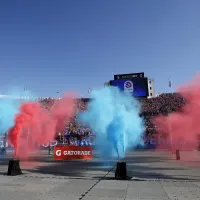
point(170, 84)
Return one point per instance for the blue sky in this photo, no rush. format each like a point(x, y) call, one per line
point(74, 45)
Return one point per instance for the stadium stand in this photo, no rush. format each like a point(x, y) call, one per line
point(162, 104)
point(74, 134)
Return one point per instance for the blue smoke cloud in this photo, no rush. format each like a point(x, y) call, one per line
point(9, 107)
point(114, 117)
point(8, 110)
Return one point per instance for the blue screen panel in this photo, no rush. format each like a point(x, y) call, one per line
point(137, 87)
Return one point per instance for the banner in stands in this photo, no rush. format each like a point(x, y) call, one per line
point(137, 87)
point(128, 76)
point(72, 153)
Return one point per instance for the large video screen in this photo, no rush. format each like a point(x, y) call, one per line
point(137, 87)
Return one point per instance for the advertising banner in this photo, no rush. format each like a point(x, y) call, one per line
point(73, 153)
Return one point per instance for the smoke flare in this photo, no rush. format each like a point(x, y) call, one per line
point(182, 128)
point(35, 125)
point(114, 117)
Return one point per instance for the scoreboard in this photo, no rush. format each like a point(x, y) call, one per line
point(137, 87)
point(129, 76)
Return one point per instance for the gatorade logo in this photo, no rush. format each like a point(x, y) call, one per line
point(128, 87)
point(58, 153)
point(72, 152)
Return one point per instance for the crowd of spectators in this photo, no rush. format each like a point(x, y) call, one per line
point(74, 133)
point(162, 104)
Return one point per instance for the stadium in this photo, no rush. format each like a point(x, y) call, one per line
point(140, 87)
point(73, 154)
point(99, 100)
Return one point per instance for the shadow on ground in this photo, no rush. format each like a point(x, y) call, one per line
point(140, 167)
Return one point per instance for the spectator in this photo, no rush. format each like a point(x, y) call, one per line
point(163, 104)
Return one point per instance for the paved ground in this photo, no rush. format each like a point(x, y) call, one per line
point(155, 176)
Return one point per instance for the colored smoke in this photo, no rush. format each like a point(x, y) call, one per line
point(36, 125)
point(114, 118)
point(9, 107)
point(181, 129)
point(8, 110)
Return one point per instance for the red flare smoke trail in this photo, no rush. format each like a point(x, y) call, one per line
point(35, 125)
point(183, 127)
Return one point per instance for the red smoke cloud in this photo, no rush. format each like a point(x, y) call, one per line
point(182, 128)
point(35, 125)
